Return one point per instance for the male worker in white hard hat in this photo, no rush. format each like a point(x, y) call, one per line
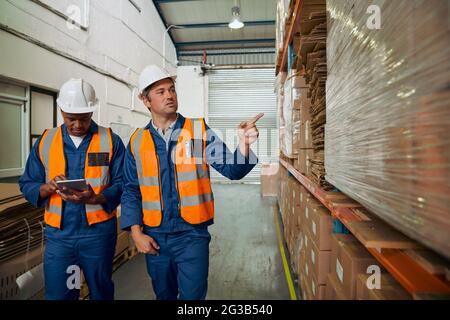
point(167, 201)
point(81, 224)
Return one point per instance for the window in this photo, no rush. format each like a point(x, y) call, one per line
point(13, 129)
point(42, 112)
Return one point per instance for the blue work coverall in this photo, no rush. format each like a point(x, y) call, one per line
point(181, 268)
point(90, 248)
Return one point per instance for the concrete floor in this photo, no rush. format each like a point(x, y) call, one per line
point(245, 261)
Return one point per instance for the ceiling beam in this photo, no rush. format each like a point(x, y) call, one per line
point(185, 54)
point(225, 24)
point(240, 41)
point(173, 1)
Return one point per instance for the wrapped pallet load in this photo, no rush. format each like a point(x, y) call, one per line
point(387, 141)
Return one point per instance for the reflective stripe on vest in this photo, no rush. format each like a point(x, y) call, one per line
point(51, 152)
point(192, 174)
point(147, 166)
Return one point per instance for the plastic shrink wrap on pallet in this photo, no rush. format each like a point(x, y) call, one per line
point(387, 132)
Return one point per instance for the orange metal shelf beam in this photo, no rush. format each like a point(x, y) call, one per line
point(289, 35)
point(403, 268)
point(408, 273)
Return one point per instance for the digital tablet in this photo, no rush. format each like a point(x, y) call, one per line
point(78, 184)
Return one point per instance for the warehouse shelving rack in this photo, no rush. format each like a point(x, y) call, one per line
point(419, 282)
point(410, 274)
point(283, 54)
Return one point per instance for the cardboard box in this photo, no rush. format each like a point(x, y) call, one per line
point(318, 292)
point(9, 190)
point(301, 157)
point(318, 261)
point(305, 109)
point(333, 290)
point(304, 284)
point(309, 282)
point(301, 254)
point(309, 156)
point(304, 288)
point(301, 160)
point(309, 200)
point(389, 289)
point(269, 179)
point(320, 225)
point(310, 204)
point(296, 42)
point(297, 207)
point(305, 245)
point(299, 95)
point(305, 135)
point(349, 258)
point(304, 155)
point(296, 129)
point(299, 81)
point(295, 163)
point(300, 101)
point(307, 267)
point(305, 197)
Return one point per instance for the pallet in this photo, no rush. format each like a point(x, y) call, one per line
point(415, 270)
point(120, 259)
point(132, 251)
point(377, 234)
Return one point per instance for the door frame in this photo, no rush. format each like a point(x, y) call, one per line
point(47, 92)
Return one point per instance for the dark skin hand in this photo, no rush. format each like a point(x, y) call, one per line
point(47, 189)
point(87, 196)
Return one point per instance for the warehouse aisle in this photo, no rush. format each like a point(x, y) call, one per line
point(245, 261)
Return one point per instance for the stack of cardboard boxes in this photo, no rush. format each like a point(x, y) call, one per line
point(301, 105)
point(348, 260)
point(289, 201)
point(311, 69)
point(314, 265)
point(387, 288)
point(295, 121)
point(307, 230)
point(351, 268)
point(290, 117)
point(329, 266)
point(269, 176)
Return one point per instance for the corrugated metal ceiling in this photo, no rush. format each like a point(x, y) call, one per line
point(194, 14)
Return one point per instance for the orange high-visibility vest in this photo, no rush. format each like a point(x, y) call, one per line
point(51, 153)
point(191, 173)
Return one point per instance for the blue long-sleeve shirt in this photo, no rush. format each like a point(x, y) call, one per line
point(74, 222)
point(231, 165)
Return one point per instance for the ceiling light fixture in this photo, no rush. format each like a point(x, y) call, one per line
point(236, 22)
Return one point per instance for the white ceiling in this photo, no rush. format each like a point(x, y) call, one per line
point(199, 12)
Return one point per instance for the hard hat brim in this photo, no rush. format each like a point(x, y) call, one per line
point(79, 110)
point(174, 78)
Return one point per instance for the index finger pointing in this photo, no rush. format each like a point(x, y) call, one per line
point(257, 117)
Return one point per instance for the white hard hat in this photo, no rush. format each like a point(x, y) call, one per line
point(77, 96)
point(152, 74)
